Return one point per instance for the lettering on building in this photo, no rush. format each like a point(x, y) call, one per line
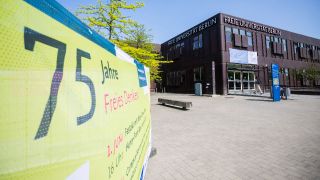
point(251, 25)
point(194, 30)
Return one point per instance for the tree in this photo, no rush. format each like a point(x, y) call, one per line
point(133, 38)
point(311, 74)
point(138, 45)
point(107, 18)
point(138, 37)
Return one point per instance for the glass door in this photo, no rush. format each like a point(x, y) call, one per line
point(231, 86)
point(234, 81)
point(237, 79)
point(252, 80)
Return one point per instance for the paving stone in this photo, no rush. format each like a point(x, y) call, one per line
point(236, 138)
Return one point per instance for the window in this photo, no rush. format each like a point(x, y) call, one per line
point(177, 46)
point(284, 44)
point(235, 31)
point(197, 42)
point(242, 32)
point(181, 47)
point(200, 41)
point(249, 35)
point(267, 42)
point(276, 40)
point(301, 45)
point(228, 34)
point(198, 73)
point(295, 46)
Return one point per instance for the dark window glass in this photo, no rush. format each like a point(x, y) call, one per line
point(197, 42)
point(228, 34)
point(181, 47)
point(200, 41)
point(249, 35)
point(198, 74)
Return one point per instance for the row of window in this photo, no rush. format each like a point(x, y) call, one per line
point(176, 78)
point(229, 31)
point(279, 40)
point(296, 45)
point(178, 48)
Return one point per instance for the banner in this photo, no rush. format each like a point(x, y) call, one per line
point(243, 57)
point(73, 105)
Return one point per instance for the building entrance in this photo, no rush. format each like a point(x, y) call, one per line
point(241, 82)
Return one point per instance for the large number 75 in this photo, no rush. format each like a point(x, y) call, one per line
point(30, 38)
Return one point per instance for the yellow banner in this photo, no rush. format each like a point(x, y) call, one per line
point(70, 107)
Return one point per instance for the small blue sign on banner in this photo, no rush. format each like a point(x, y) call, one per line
point(275, 82)
point(141, 74)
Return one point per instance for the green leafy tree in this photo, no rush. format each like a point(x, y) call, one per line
point(138, 45)
point(107, 18)
point(131, 37)
point(311, 74)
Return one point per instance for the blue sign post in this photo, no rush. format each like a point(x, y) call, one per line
point(275, 82)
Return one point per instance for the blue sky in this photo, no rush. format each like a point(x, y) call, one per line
point(167, 18)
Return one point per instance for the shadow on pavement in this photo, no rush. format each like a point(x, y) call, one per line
point(266, 100)
point(174, 107)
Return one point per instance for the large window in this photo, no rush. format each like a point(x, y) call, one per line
point(249, 35)
point(198, 74)
point(197, 42)
point(175, 78)
point(267, 42)
point(295, 47)
point(228, 34)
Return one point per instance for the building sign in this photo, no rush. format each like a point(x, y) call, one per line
point(243, 57)
point(73, 105)
point(194, 30)
point(251, 25)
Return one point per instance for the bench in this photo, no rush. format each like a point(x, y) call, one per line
point(183, 104)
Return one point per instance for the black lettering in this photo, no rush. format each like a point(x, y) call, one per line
point(103, 77)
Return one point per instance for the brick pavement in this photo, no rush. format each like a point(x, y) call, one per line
point(236, 137)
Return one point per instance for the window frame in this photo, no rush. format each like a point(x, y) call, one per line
point(284, 44)
point(197, 42)
point(228, 34)
point(250, 38)
point(268, 40)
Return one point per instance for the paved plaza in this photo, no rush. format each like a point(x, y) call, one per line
point(236, 137)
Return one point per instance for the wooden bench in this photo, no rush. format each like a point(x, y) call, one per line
point(183, 104)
